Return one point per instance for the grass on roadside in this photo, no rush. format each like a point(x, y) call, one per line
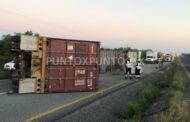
point(146, 97)
point(177, 106)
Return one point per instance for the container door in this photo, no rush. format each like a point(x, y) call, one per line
point(72, 75)
point(55, 73)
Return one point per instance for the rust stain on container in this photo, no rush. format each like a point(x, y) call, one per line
point(72, 65)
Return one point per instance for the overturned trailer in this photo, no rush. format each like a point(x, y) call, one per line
point(54, 65)
point(111, 60)
point(114, 60)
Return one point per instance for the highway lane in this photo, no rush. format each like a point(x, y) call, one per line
point(185, 59)
point(5, 86)
point(109, 107)
point(15, 107)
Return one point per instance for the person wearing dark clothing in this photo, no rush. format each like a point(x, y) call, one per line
point(138, 69)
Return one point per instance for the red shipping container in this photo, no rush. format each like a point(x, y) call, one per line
point(72, 65)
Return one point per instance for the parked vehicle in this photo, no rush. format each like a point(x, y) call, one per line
point(168, 58)
point(9, 66)
point(151, 57)
point(55, 65)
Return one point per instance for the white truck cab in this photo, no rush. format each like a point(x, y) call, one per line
point(151, 57)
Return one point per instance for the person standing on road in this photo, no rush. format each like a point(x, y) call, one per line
point(128, 69)
point(138, 69)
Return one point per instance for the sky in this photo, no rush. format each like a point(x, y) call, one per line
point(161, 25)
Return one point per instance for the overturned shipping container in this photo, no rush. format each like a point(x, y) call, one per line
point(54, 65)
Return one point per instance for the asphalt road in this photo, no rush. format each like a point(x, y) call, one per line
point(5, 86)
point(109, 108)
point(17, 108)
point(185, 60)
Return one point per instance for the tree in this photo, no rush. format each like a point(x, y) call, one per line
point(5, 53)
point(6, 42)
point(30, 33)
point(5, 45)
